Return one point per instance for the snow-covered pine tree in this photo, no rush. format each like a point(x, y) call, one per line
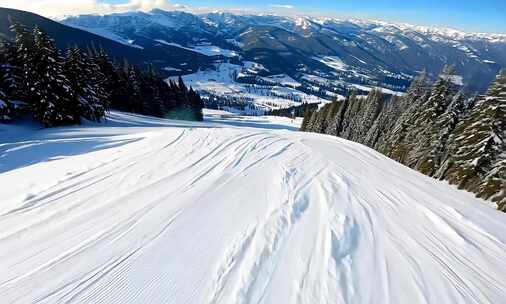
point(319, 122)
point(330, 117)
point(110, 79)
point(86, 81)
point(4, 103)
point(312, 120)
point(50, 98)
point(21, 59)
point(75, 71)
point(4, 85)
point(337, 125)
point(397, 141)
point(101, 93)
point(423, 130)
point(378, 134)
point(305, 121)
point(480, 161)
point(351, 120)
point(463, 109)
point(372, 107)
point(11, 75)
point(4, 107)
point(152, 103)
point(120, 99)
point(439, 136)
point(132, 89)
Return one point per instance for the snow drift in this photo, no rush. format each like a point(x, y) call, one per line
point(234, 210)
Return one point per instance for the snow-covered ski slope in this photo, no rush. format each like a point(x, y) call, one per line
point(233, 210)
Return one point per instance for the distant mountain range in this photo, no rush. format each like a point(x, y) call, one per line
point(317, 54)
point(348, 50)
point(69, 36)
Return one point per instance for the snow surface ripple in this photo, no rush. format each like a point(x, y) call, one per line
point(237, 210)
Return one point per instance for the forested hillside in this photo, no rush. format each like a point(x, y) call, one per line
point(60, 89)
point(435, 128)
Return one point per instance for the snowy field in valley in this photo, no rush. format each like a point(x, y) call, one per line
point(204, 49)
point(279, 91)
point(232, 210)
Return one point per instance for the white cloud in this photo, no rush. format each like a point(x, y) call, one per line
point(72, 7)
point(58, 8)
point(282, 6)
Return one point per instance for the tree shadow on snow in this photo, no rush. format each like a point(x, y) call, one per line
point(248, 122)
point(17, 155)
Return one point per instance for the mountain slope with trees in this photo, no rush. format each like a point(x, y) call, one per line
point(65, 36)
point(436, 129)
point(59, 89)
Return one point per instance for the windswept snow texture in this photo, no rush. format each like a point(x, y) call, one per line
point(233, 210)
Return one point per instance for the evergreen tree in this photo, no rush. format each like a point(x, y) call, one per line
point(100, 94)
point(305, 121)
point(377, 137)
point(400, 138)
point(319, 122)
point(86, 80)
point(437, 130)
point(50, 97)
point(4, 85)
point(459, 112)
point(11, 75)
point(21, 57)
point(197, 105)
point(181, 85)
point(312, 120)
point(61, 90)
point(337, 127)
point(4, 103)
point(133, 89)
point(440, 140)
point(351, 120)
point(479, 163)
point(4, 107)
point(109, 75)
point(330, 118)
point(152, 103)
point(434, 124)
point(372, 107)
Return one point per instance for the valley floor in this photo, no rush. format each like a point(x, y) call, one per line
point(233, 210)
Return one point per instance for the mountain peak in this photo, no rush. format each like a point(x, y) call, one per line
point(373, 51)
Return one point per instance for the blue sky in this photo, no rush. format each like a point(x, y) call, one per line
point(470, 15)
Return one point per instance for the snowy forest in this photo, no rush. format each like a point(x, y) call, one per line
point(58, 89)
point(436, 128)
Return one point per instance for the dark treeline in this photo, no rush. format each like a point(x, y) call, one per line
point(241, 103)
point(59, 89)
point(294, 111)
point(435, 128)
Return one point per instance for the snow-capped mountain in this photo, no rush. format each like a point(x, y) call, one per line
point(252, 56)
point(371, 53)
point(114, 44)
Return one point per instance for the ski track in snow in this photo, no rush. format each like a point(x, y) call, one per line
point(155, 211)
